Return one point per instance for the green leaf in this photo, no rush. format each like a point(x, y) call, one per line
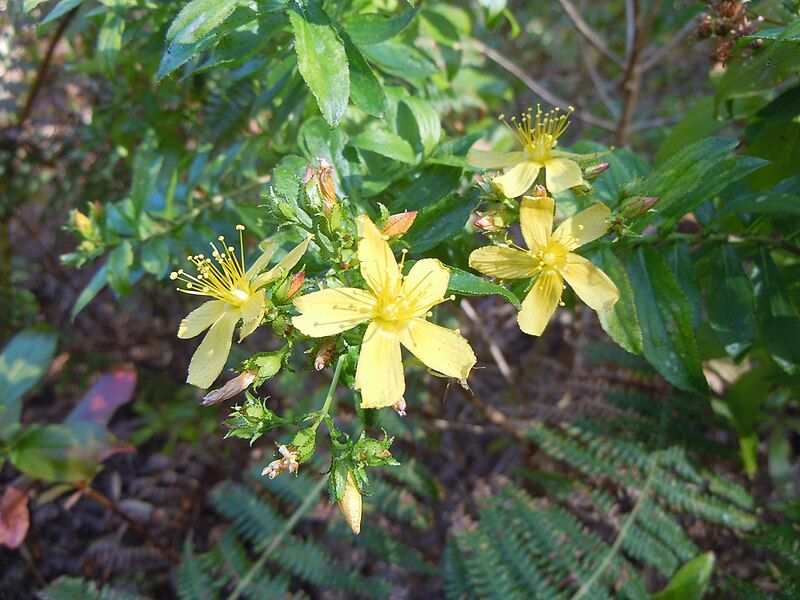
point(418, 121)
point(155, 256)
point(176, 55)
point(366, 90)
point(665, 319)
point(690, 581)
point(400, 60)
point(761, 202)
point(63, 453)
point(386, 144)
point(60, 10)
point(430, 184)
point(321, 59)
point(626, 167)
point(698, 122)
point(680, 261)
point(372, 28)
point(731, 303)
point(96, 283)
point(777, 316)
point(23, 362)
point(467, 284)
point(621, 322)
point(118, 268)
point(440, 220)
point(109, 41)
point(199, 18)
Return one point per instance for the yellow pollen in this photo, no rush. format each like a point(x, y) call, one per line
point(539, 133)
point(549, 259)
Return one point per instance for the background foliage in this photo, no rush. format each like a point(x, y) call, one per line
point(649, 451)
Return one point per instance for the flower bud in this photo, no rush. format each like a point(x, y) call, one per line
point(540, 191)
point(592, 172)
point(350, 504)
point(635, 207)
point(324, 355)
point(323, 177)
point(400, 407)
point(397, 225)
point(82, 223)
point(289, 287)
point(489, 223)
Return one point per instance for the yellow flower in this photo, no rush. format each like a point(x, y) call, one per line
point(551, 260)
point(395, 307)
point(538, 138)
point(238, 294)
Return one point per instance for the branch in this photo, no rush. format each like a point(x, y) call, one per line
point(536, 87)
point(585, 29)
point(656, 56)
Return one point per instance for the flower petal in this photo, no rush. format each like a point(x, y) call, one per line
point(561, 174)
point(425, 285)
point(210, 357)
point(540, 304)
point(505, 263)
point(252, 313)
point(379, 374)
point(200, 319)
point(483, 159)
point(284, 265)
point(439, 348)
point(378, 266)
point(590, 283)
point(268, 248)
point(536, 220)
point(332, 310)
point(585, 227)
point(518, 179)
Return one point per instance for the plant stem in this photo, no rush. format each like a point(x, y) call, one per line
point(331, 391)
point(286, 529)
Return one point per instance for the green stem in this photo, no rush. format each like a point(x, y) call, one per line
point(331, 391)
point(623, 532)
point(276, 540)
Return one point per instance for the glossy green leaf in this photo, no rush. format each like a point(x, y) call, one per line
point(96, 283)
point(60, 9)
point(322, 59)
point(665, 319)
point(467, 284)
point(118, 267)
point(23, 362)
point(698, 122)
point(626, 167)
point(439, 220)
point(730, 302)
point(400, 60)
point(176, 55)
point(690, 581)
point(777, 317)
point(420, 120)
point(680, 262)
point(199, 18)
point(372, 28)
point(386, 144)
point(366, 90)
point(155, 256)
point(621, 322)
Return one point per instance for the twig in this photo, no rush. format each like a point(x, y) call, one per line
point(110, 505)
point(657, 56)
point(494, 349)
point(632, 78)
point(536, 87)
point(585, 29)
point(600, 85)
point(276, 540)
point(650, 123)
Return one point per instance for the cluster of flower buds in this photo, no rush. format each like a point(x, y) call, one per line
point(727, 22)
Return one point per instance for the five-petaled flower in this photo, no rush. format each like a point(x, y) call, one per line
point(538, 136)
point(551, 260)
point(237, 295)
point(396, 307)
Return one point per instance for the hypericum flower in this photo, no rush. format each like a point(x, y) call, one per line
point(289, 461)
point(237, 294)
point(538, 138)
point(551, 260)
point(395, 307)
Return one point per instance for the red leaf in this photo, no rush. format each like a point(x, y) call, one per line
point(111, 391)
point(14, 517)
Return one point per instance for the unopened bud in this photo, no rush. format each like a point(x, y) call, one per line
point(230, 389)
point(82, 223)
point(488, 223)
point(540, 191)
point(637, 206)
point(397, 225)
point(290, 287)
point(592, 172)
point(400, 407)
point(324, 355)
point(327, 186)
point(350, 504)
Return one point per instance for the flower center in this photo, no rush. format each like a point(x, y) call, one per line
point(222, 278)
point(552, 258)
point(539, 134)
